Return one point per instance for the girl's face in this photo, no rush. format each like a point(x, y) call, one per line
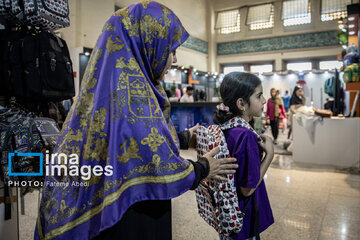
point(257, 102)
point(299, 92)
point(273, 93)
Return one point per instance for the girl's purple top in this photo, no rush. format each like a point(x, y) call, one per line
point(243, 145)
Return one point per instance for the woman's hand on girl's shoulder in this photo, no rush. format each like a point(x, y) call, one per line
point(267, 144)
point(219, 168)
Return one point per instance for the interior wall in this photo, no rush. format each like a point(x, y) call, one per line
point(87, 18)
point(192, 15)
point(187, 57)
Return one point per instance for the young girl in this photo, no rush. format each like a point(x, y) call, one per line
point(242, 96)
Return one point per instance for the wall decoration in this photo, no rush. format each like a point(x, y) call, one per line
point(196, 44)
point(306, 40)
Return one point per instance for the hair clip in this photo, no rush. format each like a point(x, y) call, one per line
point(222, 107)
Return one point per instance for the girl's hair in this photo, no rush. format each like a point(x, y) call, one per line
point(235, 85)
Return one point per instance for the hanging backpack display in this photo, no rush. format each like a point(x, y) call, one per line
point(218, 202)
point(49, 14)
point(44, 14)
point(11, 9)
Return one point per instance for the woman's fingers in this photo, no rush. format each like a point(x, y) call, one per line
point(226, 172)
point(194, 128)
point(226, 161)
point(222, 179)
point(228, 166)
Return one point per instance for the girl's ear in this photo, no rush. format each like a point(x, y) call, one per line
point(240, 104)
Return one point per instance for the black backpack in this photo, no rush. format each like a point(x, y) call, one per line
point(35, 66)
point(48, 67)
point(11, 80)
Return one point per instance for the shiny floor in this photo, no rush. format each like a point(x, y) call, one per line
point(308, 202)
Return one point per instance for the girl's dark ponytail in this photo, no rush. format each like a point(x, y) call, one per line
point(221, 117)
point(235, 85)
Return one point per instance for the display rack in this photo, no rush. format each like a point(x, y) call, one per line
point(354, 89)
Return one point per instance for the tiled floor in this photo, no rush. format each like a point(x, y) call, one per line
point(312, 203)
point(308, 202)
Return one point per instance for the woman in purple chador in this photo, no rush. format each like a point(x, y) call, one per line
point(121, 120)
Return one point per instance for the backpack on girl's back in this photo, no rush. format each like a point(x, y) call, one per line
point(242, 101)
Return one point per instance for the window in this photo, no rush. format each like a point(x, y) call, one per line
point(300, 66)
point(228, 21)
point(296, 12)
point(330, 65)
point(333, 9)
point(261, 17)
point(233, 69)
point(261, 68)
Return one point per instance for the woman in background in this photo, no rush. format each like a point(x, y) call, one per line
point(297, 100)
point(275, 111)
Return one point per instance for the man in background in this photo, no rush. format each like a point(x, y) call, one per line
point(188, 97)
point(286, 100)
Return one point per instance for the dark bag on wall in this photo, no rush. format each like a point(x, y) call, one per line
point(11, 73)
point(4, 64)
point(35, 66)
point(57, 77)
point(48, 68)
point(31, 61)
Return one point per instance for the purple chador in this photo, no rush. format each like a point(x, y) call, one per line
point(120, 119)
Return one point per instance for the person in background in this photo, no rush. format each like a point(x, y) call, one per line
point(275, 110)
point(329, 104)
point(278, 92)
point(258, 124)
point(286, 100)
point(297, 100)
point(243, 99)
point(188, 96)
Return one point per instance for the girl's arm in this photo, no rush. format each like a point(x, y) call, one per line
point(303, 99)
point(293, 109)
point(268, 147)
